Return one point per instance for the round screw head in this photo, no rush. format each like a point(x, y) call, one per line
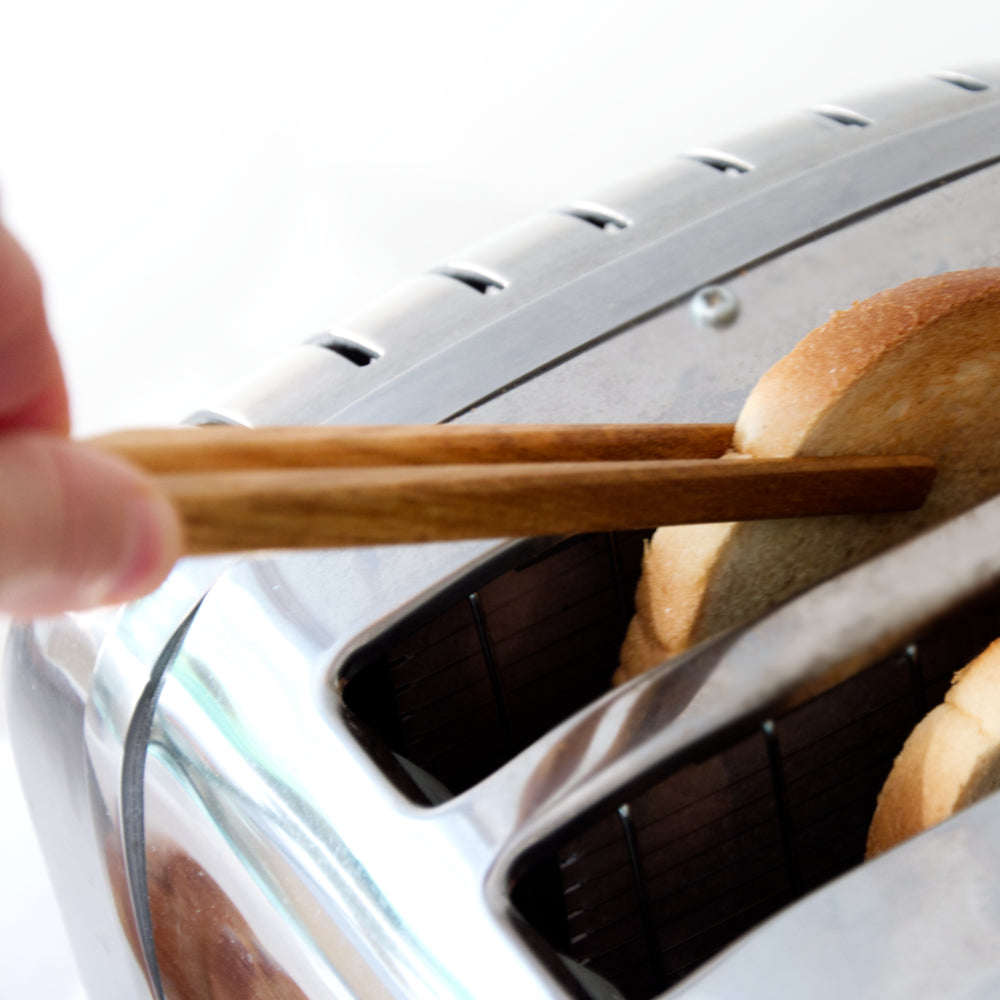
point(714, 305)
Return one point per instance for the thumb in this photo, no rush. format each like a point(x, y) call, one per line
point(77, 528)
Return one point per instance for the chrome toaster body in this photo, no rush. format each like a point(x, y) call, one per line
point(379, 773)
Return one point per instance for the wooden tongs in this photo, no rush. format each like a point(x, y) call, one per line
point(314, 487)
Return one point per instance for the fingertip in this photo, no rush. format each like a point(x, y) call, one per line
point(154, 543)
point(80, 528)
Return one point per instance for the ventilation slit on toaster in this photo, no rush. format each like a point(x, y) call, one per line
point(725, 163)
point(598, 216)
point(842, 116)
point(354, 351)
point(963, 80)
point(476, 278)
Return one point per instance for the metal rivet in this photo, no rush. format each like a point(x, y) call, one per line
point(715, 306)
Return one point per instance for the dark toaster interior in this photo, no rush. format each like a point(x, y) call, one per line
point(462, 693)
point(658, 884)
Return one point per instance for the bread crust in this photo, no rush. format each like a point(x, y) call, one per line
point(949, 761)
point(912, 370)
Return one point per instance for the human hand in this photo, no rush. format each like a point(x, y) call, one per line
point(77, 528)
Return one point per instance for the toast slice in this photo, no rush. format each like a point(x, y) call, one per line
point(912, 370)
point(949, 761)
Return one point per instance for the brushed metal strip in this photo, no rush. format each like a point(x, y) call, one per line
point(604, 300)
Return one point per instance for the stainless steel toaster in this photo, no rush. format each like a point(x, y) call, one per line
point(400, 772)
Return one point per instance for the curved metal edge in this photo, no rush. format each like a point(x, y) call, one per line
point(132, 803)
point(117, 686)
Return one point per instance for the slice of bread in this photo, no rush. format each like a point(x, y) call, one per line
point(950, 760)
point(912, 370)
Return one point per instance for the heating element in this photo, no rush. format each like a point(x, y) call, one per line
point(401, 772)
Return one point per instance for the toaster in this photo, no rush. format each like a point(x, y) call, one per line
point(401, 771)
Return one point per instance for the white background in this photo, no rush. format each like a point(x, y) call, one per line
point(206, 182)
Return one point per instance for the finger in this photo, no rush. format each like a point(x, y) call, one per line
point(32, 390)
point(77, 528)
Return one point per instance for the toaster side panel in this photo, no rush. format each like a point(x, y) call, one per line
point(46, 702)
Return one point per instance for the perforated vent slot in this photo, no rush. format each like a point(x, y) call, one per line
point(598, 216)
point(842, 116)
point(962, 80)
point(476, 278)
point(352, 350)
point(725, 163)
point(661, 883)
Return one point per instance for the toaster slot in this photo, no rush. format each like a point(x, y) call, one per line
point(460, 694)
point(651, 888)
point(656, 885)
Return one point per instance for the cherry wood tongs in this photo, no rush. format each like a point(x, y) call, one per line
point(305, 487)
